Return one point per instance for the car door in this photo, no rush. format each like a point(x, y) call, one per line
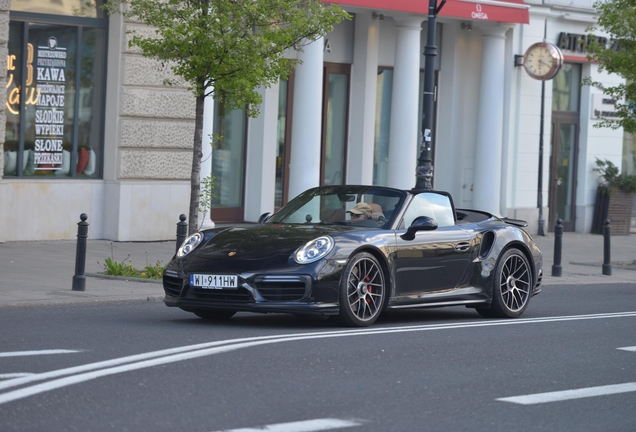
point(434, 261)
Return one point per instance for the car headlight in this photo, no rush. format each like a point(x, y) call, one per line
point(189, 244)
point(314, 250)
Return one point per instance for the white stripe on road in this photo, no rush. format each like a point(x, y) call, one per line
point(301, 426)
point(14, 375)
point(633, 349)
point(140, 361)
point(32, 353)
point(539, 398)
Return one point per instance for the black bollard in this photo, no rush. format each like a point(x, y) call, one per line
point(79, 279)
point(182, 230)
point(558, 246)
point(607, 264)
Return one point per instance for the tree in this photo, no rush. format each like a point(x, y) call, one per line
point(618, 19)
point(226, 48)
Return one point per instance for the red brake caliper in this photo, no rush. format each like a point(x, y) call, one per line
point(369, 289)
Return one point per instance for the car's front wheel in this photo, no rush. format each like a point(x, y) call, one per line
point(512, 286)
point(215, 315)
point(362, 291)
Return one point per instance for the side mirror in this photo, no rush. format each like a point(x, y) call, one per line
point(262, 218)
point(421, 223)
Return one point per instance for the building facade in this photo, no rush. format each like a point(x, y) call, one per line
point(90, 127)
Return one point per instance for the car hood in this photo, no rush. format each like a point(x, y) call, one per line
point(264, 241)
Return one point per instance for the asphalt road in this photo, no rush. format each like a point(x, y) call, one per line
point(568, 365)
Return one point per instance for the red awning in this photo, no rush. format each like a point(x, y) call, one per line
point(510, 11)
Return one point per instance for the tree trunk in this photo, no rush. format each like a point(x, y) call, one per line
point(195, 178)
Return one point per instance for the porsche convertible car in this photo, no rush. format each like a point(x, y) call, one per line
point(354, 251)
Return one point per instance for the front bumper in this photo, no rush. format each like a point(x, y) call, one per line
point(283, 292)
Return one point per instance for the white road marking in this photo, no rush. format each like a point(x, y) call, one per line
point(15, 375)
point(633, 349)
point(301, 426)
point(539, 398)
point(140, 361)
point(32, 353)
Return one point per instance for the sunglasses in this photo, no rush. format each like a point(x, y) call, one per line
point(355, 216)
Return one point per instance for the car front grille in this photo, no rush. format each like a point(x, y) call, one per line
point(172, 283)
point(237, 295)
point(283, 288)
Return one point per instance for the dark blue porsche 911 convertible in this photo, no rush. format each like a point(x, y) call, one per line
point(354, 251)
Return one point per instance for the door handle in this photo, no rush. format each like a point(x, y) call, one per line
point(462, 246)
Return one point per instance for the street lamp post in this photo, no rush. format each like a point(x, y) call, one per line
point(424, 171)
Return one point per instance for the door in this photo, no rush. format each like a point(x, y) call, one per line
point(434, 262)
point(562, 194)
point(334, 126)
point(228, 164)
point(283, 149)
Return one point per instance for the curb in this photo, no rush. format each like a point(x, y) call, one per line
point(123, 278)
point(38, 304)
point(618, 265)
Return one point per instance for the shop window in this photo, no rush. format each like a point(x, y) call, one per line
point(566, 88)
point(55, 98)
point(384, 95)
point(281, 156)
point(228, 161)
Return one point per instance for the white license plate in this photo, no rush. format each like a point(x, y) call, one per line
point(210, 281)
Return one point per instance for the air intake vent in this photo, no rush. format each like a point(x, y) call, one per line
point(283, 288)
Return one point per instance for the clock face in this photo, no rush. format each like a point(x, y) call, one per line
point(542, 61)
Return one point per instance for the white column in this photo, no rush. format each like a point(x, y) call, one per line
point(364, 79)
point(489, 139)
point(304, 164)
point(206, 160)
point(260, 165)
point(404, 122)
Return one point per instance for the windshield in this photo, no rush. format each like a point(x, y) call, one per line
point(365, 206)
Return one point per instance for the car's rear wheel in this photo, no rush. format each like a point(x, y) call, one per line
point(362, 291)
point(512, 286)
point(214, 315)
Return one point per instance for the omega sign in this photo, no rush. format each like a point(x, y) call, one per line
point(478, 13)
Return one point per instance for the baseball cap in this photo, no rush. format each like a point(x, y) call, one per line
point(361, 208)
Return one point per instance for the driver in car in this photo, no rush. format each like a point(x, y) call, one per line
point(361, 211)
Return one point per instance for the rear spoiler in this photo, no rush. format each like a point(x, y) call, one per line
point(516, 222)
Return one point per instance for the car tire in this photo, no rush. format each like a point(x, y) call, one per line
point(362, 291)
point(512, 286)
point(215, 315)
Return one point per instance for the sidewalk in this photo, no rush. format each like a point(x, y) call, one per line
point(41, 272)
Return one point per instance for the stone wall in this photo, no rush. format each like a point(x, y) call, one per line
point(156, 121)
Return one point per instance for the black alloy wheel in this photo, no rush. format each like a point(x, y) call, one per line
point(362, 291)
point(512, 286)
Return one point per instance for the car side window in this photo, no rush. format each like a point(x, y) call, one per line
point(433, 205)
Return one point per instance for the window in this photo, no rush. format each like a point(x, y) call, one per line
point(384, 95)
point(55, 97)
point(433, 205)
point(228, 159)
point(566, 88)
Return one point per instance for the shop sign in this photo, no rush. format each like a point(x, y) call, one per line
point(49, 108)
point(580, 42)
point(478, 13)
point(603, 106)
